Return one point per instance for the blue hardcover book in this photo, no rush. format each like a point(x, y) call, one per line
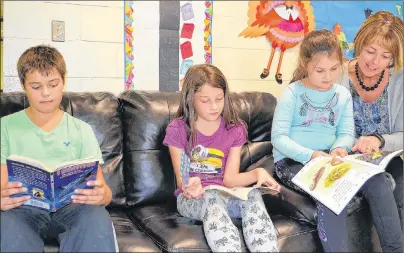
point(51, 188)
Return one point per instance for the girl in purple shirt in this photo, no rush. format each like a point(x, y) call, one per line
point(209, 131)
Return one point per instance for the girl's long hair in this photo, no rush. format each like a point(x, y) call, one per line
point(314, 43)
point(195, 78)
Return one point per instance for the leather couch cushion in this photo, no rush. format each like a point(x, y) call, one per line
point(174, 233)
point(101, 111)
point(288, 202)
point(130, 238)
point(295, 235)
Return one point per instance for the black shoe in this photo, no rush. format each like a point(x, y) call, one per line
point(278, 78)
point(264, 74)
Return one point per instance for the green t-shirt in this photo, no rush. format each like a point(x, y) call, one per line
point(71, 139)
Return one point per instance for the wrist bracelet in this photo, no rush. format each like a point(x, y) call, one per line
point(381, 139)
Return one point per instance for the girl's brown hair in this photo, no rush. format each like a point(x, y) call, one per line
point(314, 43)
point(43, 59)
point(385, 29)
point(195, 78)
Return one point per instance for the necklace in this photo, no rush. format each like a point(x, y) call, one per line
point(361, 82)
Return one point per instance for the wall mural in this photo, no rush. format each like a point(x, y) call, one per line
point(284, 23)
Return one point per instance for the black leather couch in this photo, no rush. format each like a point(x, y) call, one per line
point(130, 130)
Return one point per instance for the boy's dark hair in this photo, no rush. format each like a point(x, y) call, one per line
point(43, 59)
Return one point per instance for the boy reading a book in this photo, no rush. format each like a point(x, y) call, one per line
point(46, 133)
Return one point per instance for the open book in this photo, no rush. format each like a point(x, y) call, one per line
point(334, 182)
point(50, 188)
point(240, 192)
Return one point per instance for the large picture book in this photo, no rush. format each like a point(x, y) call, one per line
point(335, 181)
point(50, 188)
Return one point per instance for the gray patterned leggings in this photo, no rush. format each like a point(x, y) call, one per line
point(215, 210)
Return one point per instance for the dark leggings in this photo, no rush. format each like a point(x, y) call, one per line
point(332, 228)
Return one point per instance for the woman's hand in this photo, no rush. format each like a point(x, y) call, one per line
point(9, 189)
point(263, 178)
point(96, 196)
point(367, 145)
point(341, 152)
point(193, 189)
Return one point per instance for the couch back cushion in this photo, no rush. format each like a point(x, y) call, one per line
point(102, 111)
point(148, 171)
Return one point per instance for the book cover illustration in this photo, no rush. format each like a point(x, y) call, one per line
point(184, 168)
point(51, 190)
point(69, 178)
point(35, 180)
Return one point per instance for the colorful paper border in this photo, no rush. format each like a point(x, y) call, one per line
point(128, 45)
point(208, 31)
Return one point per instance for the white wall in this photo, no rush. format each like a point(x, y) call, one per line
point(93, 47)
point(146, 28)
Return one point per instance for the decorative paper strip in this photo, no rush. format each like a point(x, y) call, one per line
point(128, 45)
point(208, 31)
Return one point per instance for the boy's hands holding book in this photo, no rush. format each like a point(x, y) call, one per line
point(11, 188)
point(193, 189)
point(94, 196)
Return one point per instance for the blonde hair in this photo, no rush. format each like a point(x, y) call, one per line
point(314, 43)
point(384, 28)
point(195, 78)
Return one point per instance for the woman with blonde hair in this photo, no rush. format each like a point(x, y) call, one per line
point(375, 80)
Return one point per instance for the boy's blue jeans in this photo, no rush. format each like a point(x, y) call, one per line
point(78, 228)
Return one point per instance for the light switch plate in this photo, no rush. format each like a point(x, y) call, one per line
point(58, 30)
